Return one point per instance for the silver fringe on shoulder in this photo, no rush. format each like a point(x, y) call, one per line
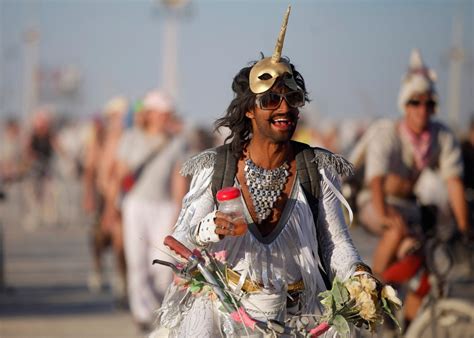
point(325, 159)
point(203, 160)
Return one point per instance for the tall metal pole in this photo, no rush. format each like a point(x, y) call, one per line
point(174, 11)
point(31, 73)
point(2, 64)
point(169, 67)
point(456, 58)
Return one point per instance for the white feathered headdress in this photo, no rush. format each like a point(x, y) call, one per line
point(418, 79)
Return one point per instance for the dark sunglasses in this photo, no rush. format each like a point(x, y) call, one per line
point(428, 103)
point(271, 100)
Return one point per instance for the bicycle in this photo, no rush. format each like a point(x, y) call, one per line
point(425, 272)
point(200, 261)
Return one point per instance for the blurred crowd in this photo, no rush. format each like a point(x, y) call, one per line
point(117, 173)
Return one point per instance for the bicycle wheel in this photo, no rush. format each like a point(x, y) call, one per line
point(453, 318)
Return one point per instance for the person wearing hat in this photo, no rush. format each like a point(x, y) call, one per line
point(148, 190)
point(395, 155)
point(279, 251)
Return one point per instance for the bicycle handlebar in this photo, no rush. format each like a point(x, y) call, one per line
point(177, 247)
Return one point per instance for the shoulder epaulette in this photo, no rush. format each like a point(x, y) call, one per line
point(203, 160)
point(325, 159)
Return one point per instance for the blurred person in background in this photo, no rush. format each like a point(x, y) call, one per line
point(151, 189)
point(199, 139)
point(11, 152)
point(12, 167)
point(395, 154)
point(41, 149)
point(110, 230)
point(468, 157)
point(68, 171)
point(93, 200)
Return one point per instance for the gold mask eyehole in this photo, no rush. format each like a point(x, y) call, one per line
point(265, 76)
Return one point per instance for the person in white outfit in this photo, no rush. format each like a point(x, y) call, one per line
point(396, 155)
point(297, 241)
point(150, 207)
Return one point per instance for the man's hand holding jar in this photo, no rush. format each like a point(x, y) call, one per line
point(228, 220)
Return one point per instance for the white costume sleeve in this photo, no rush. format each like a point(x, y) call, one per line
point(197, 203)
point(337, 249)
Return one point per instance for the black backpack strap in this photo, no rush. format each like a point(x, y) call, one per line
point(309, 177)
point(225, 169)
point(306, 169)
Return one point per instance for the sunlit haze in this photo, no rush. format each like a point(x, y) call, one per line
point(351, 53)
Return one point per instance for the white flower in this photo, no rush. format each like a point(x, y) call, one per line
point(367, 309)
point(390, 294)
point(354, 287)
point(368, 283)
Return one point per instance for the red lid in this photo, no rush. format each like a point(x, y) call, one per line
point(226, 194)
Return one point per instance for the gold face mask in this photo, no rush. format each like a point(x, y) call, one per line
point(265, 72)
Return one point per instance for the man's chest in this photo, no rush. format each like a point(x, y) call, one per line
point(402, 158)
point(257, 199)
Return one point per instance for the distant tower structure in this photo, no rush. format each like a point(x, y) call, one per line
point(456, 59)
point(31, 72)
point(169, 66)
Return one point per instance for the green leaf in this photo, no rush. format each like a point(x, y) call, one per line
point(388, 311)
point(325, 294)
point(199, 278)
point(341, 325)
point(195, 288)
point(344, 294)
point(337, 293)
point(328, 302)
point(334, 307)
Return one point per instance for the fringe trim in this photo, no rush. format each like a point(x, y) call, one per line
point(203, 160)
point(325, 159)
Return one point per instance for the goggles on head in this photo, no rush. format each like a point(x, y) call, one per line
point(265, 72)
point(271, 100)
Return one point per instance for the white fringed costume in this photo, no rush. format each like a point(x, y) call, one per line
point(287, 255)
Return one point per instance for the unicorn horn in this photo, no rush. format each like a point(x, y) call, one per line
point(281, 37)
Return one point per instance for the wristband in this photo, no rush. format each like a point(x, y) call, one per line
point(361, 267)
point(206, 232)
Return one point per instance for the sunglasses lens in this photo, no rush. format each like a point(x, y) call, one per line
point(273, 100)
point(414, 103)
point(295, 99)
point(270, 101)
point(430, 104)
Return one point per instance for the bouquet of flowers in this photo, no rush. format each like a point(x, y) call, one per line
point(360, 300)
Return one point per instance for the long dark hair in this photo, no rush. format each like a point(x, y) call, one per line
point(244, 101)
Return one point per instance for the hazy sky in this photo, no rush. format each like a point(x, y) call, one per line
point(351, 53)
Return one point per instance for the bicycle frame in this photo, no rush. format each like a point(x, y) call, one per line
point(419, 270)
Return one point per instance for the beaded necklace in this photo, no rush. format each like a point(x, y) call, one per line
point(265, 186)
